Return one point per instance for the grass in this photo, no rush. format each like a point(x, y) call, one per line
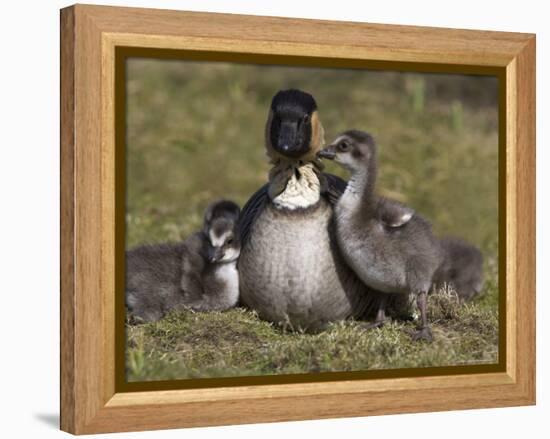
point(238, 343)
point(195, 134)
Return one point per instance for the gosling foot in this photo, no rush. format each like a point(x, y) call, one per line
point(424, 333)
point(373, 325)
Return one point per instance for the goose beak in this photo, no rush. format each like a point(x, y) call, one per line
point(327, 153)
point(285, 148)
point(286, 142)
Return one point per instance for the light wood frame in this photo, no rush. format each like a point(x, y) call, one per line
point(89, 36)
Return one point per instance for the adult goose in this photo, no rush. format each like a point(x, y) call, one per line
point(290, 268)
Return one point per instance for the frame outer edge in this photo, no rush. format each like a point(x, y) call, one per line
point(408, 42)
point(83, 407)
point(526, 219)
point(91, 353)
point(67, 226)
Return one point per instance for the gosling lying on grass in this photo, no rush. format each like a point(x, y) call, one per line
point(199, 273)
point(389, 246)
point(462, 268)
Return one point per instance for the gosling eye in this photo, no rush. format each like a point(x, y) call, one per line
point(344, 146)
point(229, 241)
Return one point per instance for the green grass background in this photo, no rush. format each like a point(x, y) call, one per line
point(195, 134)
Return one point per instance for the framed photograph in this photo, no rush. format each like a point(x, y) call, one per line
point(268, 219)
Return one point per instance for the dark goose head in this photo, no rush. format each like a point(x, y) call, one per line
point(293, 129)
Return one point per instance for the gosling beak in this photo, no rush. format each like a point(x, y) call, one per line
point(327, 153)
point(215, 254)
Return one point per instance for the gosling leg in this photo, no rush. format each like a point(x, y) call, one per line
point(380, 314)
point(424, 332)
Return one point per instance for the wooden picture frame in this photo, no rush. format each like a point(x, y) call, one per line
point(91, 402)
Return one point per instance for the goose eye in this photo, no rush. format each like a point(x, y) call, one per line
point(344, 146)
point(305, 119)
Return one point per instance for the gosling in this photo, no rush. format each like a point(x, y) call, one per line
point(461, 268)
point(389, 246)
point(199, 273)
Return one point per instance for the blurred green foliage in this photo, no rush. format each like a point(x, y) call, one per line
point(195, 134)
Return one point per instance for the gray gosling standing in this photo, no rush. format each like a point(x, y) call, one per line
point(390, 247)
point(199, 273)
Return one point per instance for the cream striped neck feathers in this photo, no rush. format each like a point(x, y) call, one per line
point(293, 186)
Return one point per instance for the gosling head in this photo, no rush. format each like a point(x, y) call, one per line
point(293, 130)
point(220, 229)
point(354, 150)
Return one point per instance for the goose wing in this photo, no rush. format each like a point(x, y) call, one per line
point(332, 187)
point(394, 214)
point(253, 207)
